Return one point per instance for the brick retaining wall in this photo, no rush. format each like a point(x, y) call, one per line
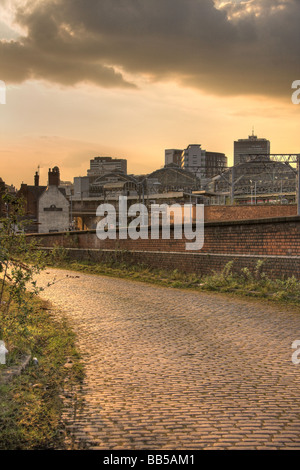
point(250, 211)
point(275, 240)
point(274, 266)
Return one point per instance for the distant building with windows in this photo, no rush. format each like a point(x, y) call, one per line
point(244, 148)
point(215, 163)
point(173, 156)
point(202, 163)
point(101, 165)
point(193, 160)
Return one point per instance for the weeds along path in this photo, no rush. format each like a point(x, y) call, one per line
point(175, 369)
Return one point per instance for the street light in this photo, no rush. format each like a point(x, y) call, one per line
point(254, 191)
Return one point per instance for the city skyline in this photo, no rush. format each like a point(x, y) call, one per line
point(132, 81)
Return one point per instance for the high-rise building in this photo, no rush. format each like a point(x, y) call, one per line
point(202, 163)
point(101, 165)
point(173, 156)
point(193, 160)
point(244, 148)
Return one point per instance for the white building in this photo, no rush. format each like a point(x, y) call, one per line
point(202, 163)
point(193, 160)
point(53, 207)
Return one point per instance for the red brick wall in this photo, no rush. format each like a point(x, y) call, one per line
point(259, 237)
point(249, 212)
point(277, 240)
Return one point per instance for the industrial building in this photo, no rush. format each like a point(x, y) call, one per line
point(256, 181)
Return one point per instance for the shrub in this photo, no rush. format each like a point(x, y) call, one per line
point(19, 262)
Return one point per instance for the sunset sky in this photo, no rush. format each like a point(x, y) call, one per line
point(130, 78)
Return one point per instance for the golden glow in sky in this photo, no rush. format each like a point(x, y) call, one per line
point(130, 83)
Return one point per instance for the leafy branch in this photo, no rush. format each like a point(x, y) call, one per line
point(20, 261)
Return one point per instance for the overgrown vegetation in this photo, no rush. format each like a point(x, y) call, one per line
point(19, 262)
point(30, 405)
point(245, 282)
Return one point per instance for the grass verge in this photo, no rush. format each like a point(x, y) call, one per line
point(31, 404)
point(251, 283)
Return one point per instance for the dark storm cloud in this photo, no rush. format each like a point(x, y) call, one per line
point(247, 47)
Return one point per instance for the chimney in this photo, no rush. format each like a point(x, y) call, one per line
point(36, 179)
point(54, 177)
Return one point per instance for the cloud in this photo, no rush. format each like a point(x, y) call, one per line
point(246, 47)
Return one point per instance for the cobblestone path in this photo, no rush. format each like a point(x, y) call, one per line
point(175, 369)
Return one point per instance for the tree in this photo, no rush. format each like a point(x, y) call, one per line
point(20, 260)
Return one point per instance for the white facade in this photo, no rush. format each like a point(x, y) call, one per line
point(53, 211)
point(193, 160)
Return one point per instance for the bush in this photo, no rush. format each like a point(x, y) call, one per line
point(19, 262)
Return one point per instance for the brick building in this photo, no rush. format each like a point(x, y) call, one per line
point(31, 195)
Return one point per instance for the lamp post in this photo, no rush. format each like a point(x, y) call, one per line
point(71, 210)
point(252, 191)
point(69, 193)
point(141, 186)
